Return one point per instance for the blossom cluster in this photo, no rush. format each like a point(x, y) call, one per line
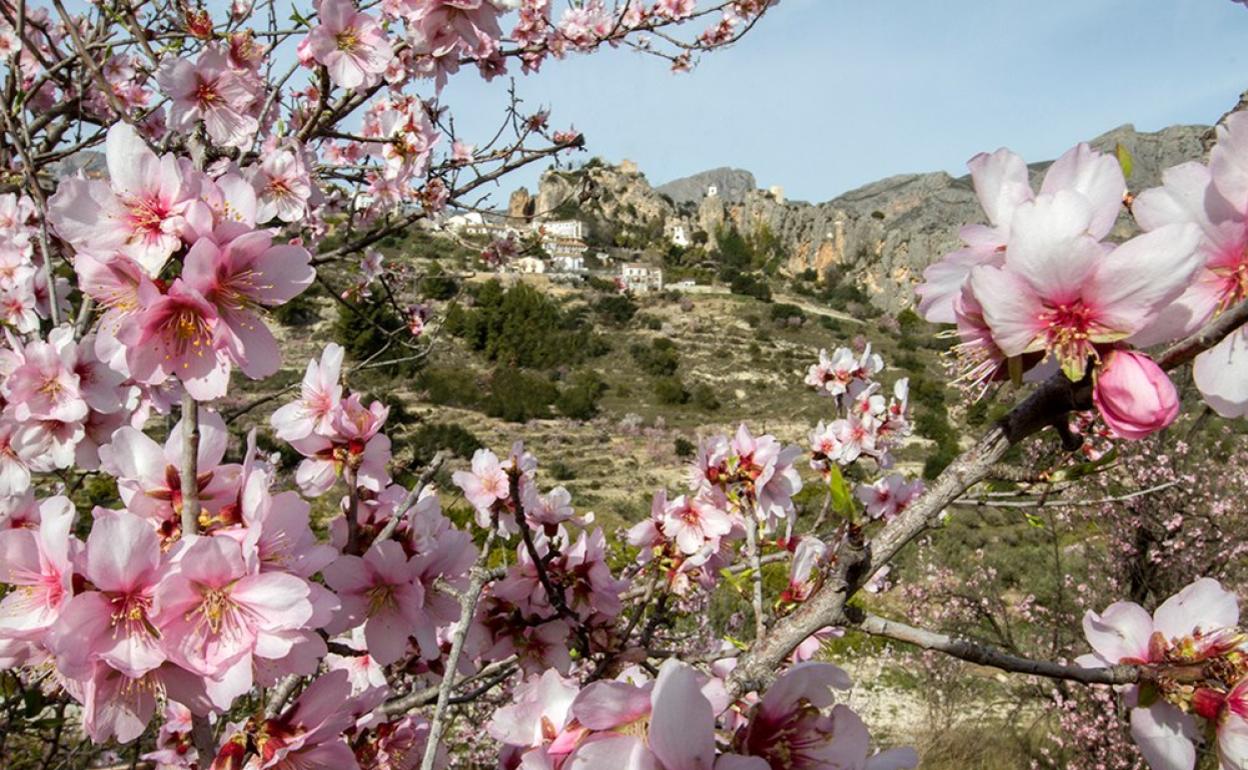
point(1040, 288)
point(868, 425)
point(681, 718)
point(1195, 661)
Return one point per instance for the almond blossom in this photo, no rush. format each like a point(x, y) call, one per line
point(1002, 185)
point(149, 476)
point(179, 335)
point(208, 90)
point(1133, 395)
point(350, 44)
point(114, 623)
point(382, 592)
point(789, 729)
point(1214, 199)
point(283, 186)
point(693, 522)
point(37, 563)
point(239, 277)
point(140, 211)
point(216, 608)
point(1059, 290)
point(1198, 624)
point(319, 396)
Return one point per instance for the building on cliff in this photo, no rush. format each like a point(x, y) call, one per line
point(641, 279)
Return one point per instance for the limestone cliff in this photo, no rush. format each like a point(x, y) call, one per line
point(880, 236)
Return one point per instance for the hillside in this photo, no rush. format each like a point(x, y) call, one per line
point(878, 237)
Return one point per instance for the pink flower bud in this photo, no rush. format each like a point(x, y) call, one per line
point(1133, 395)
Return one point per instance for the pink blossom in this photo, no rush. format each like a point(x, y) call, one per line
point(177, 334)
point(149, 476)
point(214, 607)
point(309, 734)
point(1061, 291)
point(282, 186)
point(888, 496)
point(486, 484)
point(45, 384)
point(209, 90)
point(1002, 184)
point(350, 44)
point(114, 623)
point(319, 396)
point(675, 9)
point(381, 591)
point(694, 522)
point(1198, 621)
point(139, 211)
point(238, 278)
point(540, 715)
point(679, 733)
point(1214, 199)
point(1134, 395)
point(37, 565)
point(788, 727)
point(1195, 625)
point(362, 669)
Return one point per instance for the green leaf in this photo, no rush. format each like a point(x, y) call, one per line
point(842, 499)
point(740, 645)
point(1124, 159)
point(1015, 366)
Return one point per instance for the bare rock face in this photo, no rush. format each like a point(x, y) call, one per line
point(729, 184)
point(520, 207)
point(880, 236)
point(609, 197)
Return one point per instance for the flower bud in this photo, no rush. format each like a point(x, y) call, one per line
point(1133, 395)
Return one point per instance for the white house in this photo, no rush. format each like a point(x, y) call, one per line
point(641, 279)
point(712, 191)
point(678, 234)
point(564, 247)
point(569, 264)
point(460, 222)
point(528, 264)
point(571, 229)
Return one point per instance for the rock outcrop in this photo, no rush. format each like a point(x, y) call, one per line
point(730, 184)
point(880, 236)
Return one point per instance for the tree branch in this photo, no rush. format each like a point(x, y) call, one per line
point(984, 655)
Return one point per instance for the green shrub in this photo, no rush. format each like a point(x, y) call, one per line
point(650, 322)
point(703, 397)
point(659, 359)
point(438, 285)
point(750, 286)
point(519, 396)
point(684, 448)
point(579, 399)
point(615, 309)
point(428, 440)
point(782, 312)
point(363, 331)
point(670, 390)
point(522, 327)
point(450, 386)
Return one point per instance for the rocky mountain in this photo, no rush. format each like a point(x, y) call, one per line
point(880, 236)
point(731, 184)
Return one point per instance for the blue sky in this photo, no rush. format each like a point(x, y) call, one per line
point(826, 95)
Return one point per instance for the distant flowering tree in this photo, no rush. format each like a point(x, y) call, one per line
point(203, 623)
